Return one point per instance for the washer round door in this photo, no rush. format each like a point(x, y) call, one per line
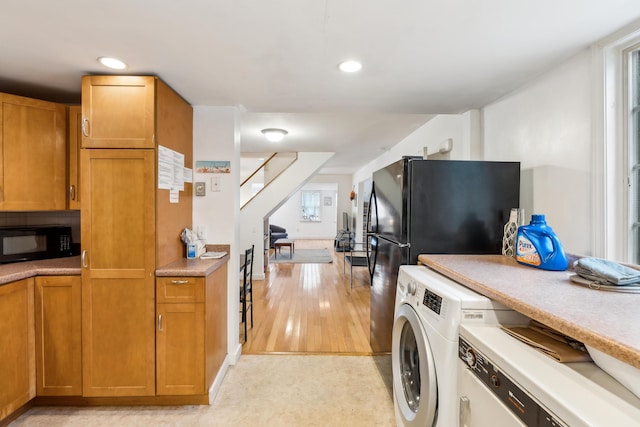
point(415, 387)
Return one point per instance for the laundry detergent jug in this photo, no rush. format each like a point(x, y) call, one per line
point(538, 246)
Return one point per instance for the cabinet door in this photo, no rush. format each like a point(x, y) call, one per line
point(180, 349)
point(17, 348)
point(118, 111)
point(58, 336)
point(33, 151)
point(118, 305)
point(74, 145)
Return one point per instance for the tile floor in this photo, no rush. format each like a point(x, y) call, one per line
point(261, 390)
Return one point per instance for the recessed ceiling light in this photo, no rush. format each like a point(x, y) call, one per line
point(273, 134)
point(114, 63)
point(350, 66)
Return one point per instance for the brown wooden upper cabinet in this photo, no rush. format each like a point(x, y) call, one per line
point(33, 170)
point(118, 112)
point(75, 143)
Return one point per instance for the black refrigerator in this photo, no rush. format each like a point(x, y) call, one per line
point(432, 207)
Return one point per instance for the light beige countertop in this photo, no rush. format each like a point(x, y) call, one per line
point(608, 321)
point(71, 267)
point(47, 267)
point(192, 267)
point(195, 267)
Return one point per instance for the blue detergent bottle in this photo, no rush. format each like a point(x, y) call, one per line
point(538, 246)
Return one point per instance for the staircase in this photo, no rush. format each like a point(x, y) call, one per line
point(268, 188)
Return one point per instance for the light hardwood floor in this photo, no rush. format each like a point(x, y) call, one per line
point(310, 308)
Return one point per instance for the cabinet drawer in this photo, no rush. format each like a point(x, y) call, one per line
point(179, 289)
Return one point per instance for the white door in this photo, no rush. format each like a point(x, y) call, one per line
point(414, 375)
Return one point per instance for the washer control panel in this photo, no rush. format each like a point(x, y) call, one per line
point(517, 400)
point(432, 301)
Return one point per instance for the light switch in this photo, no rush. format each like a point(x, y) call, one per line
point(216, 184)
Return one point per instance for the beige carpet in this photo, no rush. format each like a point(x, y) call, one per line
point(262, 390)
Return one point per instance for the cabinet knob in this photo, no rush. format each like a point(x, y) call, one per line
point(160, 322)
point(83, 259)
point(72, 192)
point(179, 282)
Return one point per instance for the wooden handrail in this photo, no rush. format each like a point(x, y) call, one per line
point(258, 168)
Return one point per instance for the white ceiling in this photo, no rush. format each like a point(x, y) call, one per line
point(277, 59)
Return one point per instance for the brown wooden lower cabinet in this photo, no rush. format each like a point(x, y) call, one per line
point(191, 337)
point(42, 333)
point(58, 316)
point(17, 346)
point(180, 349)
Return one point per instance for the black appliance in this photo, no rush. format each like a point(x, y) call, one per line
point(432, 207)
point(26, 243)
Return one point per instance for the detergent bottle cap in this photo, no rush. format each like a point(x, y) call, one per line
point(537, 219)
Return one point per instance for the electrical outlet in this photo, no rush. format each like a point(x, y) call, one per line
point(202, 233)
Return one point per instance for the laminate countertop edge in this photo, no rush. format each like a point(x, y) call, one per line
point(69, 266)
point(192, 267)
point(607, 321)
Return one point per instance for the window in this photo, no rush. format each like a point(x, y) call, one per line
point(311, 205)
point(617, 148)
point(633, 159)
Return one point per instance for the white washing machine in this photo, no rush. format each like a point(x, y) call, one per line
point(428, 312)
point(505, 383)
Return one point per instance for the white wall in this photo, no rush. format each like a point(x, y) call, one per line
point(344, 187)
point(461, 128)
point(546, 125)
point(288, 215)
point(215, 137)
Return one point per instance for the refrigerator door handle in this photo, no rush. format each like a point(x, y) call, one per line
point(371, 256)
point(372, 213)
point(400, 245)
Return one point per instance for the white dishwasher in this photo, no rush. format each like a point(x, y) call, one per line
point(503, 382)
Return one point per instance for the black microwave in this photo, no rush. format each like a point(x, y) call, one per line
point(26, 243)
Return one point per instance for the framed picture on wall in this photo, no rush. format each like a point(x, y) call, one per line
point(328, 201)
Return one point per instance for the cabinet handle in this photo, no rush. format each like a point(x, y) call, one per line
point(83, 259)
point(160, 322)
point(85, 126)
point(72, 192)
point(179, 282)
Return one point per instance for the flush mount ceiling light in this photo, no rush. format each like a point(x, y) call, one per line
point(350, 66)
point(113, 63)
point(273, 134)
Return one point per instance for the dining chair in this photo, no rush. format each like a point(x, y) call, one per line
point(356, 256)
point(246, 290)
